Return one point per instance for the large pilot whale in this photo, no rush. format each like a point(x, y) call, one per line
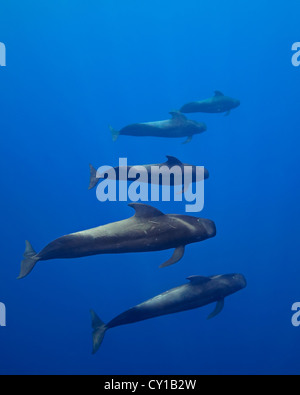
point(148, 230)
point(217, 104)
point(199, 292)
point(177, 126)
point(122, 173)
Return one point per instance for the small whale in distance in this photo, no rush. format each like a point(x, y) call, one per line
point(199, 292)
point(176, 127)
point(148, 230)
point(217, 104)
point(121, 173)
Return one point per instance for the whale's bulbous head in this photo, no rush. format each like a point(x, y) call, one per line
point(206, 229)
point(206, 174)
point(197, 127)
point(231, 283)
point(236, 103)
point(202, 127)
point(237, 281)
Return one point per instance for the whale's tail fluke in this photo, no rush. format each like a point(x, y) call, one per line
point(93, 177)
point(115, 133)
point(30, 260)
point(99, 331)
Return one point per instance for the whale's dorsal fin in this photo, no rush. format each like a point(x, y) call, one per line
point(178, 115)
point(145, 211)
point(172, 161)
point(218, 94)
point(198, 279)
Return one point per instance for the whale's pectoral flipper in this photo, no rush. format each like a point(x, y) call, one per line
point(99, 331)
point(189, 139)
point(184, 189)
point(29, 262)
point(178, 254)
point(228, 113)
point(115, 133)
point(218, 309)
point(93, 177)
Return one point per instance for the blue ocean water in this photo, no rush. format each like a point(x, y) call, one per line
point(75, 67)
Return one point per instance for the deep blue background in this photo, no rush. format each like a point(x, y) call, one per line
point(73, 68)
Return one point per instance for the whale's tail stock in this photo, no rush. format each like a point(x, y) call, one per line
point(93, 177)
point(115, 133)
point(99, 331)
point(30, 260)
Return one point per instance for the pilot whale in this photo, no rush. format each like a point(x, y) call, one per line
point(199, 292)
point(122, 173)
point(148, 230)
point(177, 126)
point(217, 104)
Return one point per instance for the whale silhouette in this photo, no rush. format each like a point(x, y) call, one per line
point(177, 126)
point(148, 230)
point(199, 292)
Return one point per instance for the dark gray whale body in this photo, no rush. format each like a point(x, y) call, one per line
point(178, 126)
point(199, 292)
point(148, 230)
point(217, 104)
point(118, 172)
